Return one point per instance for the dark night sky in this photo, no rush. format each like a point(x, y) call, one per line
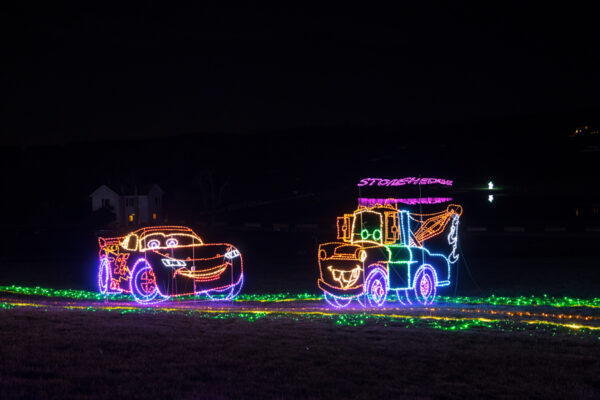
point(72, 73)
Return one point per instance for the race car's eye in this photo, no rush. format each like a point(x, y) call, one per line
point(153, 244)
point(171, 242)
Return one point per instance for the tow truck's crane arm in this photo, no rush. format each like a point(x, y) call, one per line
point(433, 224)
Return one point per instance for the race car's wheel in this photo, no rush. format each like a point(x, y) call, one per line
point(143, 283)
point(376, 287)
point(335, 301)
point(104, 275)
point(226, 294)
point(425, 286)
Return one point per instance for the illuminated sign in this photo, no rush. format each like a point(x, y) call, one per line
point(404, 181)
point(370, 202)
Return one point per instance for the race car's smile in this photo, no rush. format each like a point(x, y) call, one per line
point(203, 275)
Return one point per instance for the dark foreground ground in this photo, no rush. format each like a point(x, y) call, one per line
point(98, 355)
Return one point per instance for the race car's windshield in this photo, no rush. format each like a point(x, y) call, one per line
point(367, 226)
point(159, 240)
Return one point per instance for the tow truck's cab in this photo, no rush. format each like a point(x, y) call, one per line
point(380, 249)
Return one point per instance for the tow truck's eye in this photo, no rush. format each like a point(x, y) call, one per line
point(172, 242)
point(153, 244)
point(376, 234)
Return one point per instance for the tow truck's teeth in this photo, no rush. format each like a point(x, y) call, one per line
point(345, 278)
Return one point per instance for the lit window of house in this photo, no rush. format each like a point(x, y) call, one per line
point(131, 217)
point(154, 216)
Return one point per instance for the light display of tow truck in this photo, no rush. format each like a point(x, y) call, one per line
point(382, 249)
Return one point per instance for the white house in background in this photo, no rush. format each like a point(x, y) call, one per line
point(132, 205)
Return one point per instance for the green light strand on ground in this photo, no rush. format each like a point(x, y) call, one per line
point(519, 301)
point(65, 293)
point(523, 301)
point(365, 319)
point(451, 324)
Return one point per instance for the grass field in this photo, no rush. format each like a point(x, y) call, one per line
point(77, 351)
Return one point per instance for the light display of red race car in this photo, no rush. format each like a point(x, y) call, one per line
point(159, 262)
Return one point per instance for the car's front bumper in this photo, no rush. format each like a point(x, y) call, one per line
point(204, 278)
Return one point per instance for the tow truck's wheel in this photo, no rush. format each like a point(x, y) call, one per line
point(104, 277)
point(335, 301)
point(226, 294)
point(143, 283)
point(402, 298)
point(425, 287)
point(376, 287)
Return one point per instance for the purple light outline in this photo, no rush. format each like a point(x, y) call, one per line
point(234, 288)
point(416, 289)
point(106, 268)
point(404, 181)
point(337, 301)
point(135, 290)
point(371, 277)
point(370, 201)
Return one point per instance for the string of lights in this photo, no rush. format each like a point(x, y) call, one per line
point(424, 317)
point(493, 300)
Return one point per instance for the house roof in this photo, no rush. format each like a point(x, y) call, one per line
point(163, 229)
point(131, 189)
